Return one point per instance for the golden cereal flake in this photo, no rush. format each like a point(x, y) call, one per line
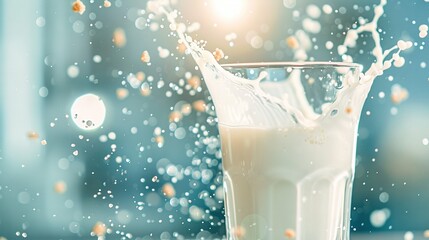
point(107, 3)
point(140, 76)
point(292, 42)
point(194, 82)
point(119, 37)
point(186, 109)
point(426, 234)
point(33, 135)
point(218, 54)
point(122, 93)
point(399, 94)
point(43, 142)
point(145, 57)
point(175, 116)
point(181, 48)
point(60, 187)
point(289, 233)
point(78, 7)
point(99, 229)
point(159, 139)
point(199, 106)
point(168, 190)
point(238, 231)
point(348, 110)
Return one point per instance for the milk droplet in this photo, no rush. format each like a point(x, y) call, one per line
point(408, 236)
point(40, 22)
point(342, 49)
point(378, 10)
point(289, 3)
point(88, 111)
point(311, 26)
point(327, 9)
point(163, 52)
point(329, 45)
point(379, 217)
point(399, 62)
point(72, 71)
point(423, 28)
point(97, 58)
point(404, 45)
point(313, 11)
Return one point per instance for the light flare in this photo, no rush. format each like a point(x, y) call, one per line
point(229, 10)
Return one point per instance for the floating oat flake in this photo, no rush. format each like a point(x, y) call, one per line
point(78, 7)
point(145, 57)
point(119, 38)
point(218, 54)
point(399, 94)
point(32, 135)
point(107, 3)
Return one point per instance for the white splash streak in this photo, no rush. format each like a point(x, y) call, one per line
point(381, 64)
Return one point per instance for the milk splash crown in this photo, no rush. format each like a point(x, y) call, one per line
point(288, 134)
point(293, 109)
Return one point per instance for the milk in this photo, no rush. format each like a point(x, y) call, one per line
point(288, 171)
point(288, 165)
point(278, 179)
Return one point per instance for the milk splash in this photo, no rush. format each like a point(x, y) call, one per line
point(288, 134)
point(220, 80)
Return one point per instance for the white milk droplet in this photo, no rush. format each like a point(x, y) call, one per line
point(327, 9)
point(313, 11)
point(329, 45)
point(311, 26)
point(73, 71)
point(88, 111)
point(423, 28)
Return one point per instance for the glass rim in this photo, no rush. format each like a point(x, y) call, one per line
point(319, 64)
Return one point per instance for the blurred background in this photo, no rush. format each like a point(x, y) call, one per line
point(144, 161)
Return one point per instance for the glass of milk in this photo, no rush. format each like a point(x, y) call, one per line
point(288, 133)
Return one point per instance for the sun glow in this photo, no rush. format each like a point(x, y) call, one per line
point(228, 9)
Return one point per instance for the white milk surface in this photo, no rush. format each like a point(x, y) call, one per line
point(279, 180)
point(288, 171)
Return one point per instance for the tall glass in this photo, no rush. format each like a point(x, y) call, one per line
point(288, 133)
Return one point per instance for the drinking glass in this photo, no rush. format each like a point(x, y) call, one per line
point(288, 133)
